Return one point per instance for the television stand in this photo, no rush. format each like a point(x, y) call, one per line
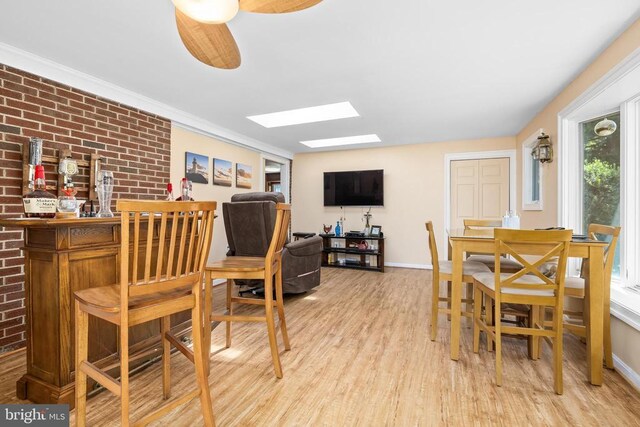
point(343, 252)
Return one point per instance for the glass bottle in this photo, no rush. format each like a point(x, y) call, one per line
point(515, 220)
point(169, 196)
point(39, 203)
point(185, 190)
point(506, 220)
point(35, 158)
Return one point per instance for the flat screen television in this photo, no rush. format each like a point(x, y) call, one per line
point(354, 188)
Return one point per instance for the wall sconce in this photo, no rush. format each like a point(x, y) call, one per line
point(543, 150)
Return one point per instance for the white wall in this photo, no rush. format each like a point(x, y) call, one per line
point(182, 141)
point(413, 192)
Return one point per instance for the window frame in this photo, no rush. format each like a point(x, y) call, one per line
point(606, 95)
point(630, 190)
point(580, 221)
point(571, 202)
point(527, 162)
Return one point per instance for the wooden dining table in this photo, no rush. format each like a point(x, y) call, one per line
point(482, 241)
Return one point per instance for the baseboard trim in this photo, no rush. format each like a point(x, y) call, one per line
point(405, 265)
point(12, 352)
point(626, 372)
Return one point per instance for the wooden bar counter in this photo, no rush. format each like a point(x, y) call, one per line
point(61, 257)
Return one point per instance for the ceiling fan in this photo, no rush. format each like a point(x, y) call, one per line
point(203, 30)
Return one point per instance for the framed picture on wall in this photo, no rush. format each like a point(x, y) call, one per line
point(196, 168)
point(243, 176)
point(222, 172)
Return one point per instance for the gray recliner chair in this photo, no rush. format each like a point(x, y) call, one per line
point(249, 220)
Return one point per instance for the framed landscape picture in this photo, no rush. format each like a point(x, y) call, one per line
point(243, 176)
point(196, 168)
point(222, 172)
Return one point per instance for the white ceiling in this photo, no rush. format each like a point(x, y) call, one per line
point(416, 70)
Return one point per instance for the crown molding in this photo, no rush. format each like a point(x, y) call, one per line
point(34, 64)
point(614, 75)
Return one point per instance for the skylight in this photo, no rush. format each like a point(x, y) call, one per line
point(345, 140)
point(321, 113)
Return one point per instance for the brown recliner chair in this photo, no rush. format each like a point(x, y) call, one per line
point(249, 220)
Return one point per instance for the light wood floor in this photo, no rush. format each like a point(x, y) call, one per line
point(361, 356)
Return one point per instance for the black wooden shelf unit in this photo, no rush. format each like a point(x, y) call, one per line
point(343, 252)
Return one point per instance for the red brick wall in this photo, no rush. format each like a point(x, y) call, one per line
point(136, 146)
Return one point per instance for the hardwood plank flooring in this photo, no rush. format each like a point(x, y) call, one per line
point(361, 356)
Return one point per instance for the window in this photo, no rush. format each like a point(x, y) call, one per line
point(601, 189)
point(532, 176)
point(599, 176)
point(535, 182)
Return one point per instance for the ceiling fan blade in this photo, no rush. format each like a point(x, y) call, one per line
point(212, 44)
point(276, 6)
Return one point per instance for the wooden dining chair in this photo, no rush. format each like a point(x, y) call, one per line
point(576, 321)
point(518, 312)
point(507, 265)
point(527, 286)
point(152, 286)
point(265, 268)
point(481, 223)
point(442, 271)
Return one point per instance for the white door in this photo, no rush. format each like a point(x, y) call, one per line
point(479, 190)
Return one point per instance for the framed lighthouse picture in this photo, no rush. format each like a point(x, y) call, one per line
point(196, 168)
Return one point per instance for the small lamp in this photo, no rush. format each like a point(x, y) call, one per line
point(534, 153)
point(543, 150)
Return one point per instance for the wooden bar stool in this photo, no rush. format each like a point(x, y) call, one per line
point(146, 293)
point(528, 286)
point(442, 271)
point(507, 265)
point(575, 288)
point(263, 268)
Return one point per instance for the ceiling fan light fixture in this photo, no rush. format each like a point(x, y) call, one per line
point(208, 11)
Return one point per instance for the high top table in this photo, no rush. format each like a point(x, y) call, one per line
point(482, 241)
point(61, 257)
